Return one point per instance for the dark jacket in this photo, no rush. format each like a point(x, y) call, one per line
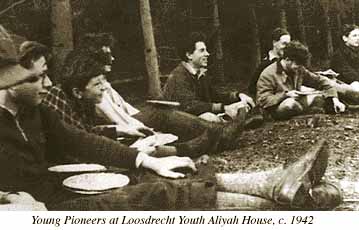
point(24, 158)
point(196, 95)
point(345, 61)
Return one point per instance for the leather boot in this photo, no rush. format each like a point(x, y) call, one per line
point(289, 186)
point(325, 196)
point(228, 132)
point(206, 143)
point(299, 177)
point(254, 119)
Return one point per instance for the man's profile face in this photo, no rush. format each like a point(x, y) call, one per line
point(279, 45)
point(109, 58)
point(291, 66)
point(352, 40)
point(199, 57)
point(32, 91)
point(40, 65)
point(95, 89)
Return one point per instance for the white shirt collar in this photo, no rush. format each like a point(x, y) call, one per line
point(272, 55)
point(189, 68)
point(193, 71)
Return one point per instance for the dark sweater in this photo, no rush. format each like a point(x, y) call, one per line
point(195, 95)
point(345, 61)
point(24, 163)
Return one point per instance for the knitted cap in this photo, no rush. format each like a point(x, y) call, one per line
point(11, 73)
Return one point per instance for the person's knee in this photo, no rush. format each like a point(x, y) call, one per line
point(288, 108)
point(290, 105)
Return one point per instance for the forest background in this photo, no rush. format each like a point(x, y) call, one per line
point(239, 31)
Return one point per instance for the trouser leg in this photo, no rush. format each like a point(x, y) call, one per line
point(150, 192)
point(285, 186)
point(196, 136)
point(257, 183)
point(237, 201)
point(186, 126)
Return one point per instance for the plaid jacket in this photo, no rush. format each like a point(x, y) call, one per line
point(70, 111)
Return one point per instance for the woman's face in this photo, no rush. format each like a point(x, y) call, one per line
point(352, 40)
point(95, 88)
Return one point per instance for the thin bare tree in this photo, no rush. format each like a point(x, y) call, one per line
point(282, 17)
point(300, 20)
point(325, 4)
point(154, 84)
point(256, 46)
point(62, 33)
point(219, 47)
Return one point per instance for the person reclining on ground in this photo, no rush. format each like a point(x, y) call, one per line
point(32, 135)
point(279, 86)
point(196, 135)
point(190, 85)
point(75, 103)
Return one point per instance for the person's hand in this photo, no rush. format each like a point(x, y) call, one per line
point(339, 107)
point(232, 109)
point(164, 166)
point(21, 201)
point(292, 94)
point(247, 99)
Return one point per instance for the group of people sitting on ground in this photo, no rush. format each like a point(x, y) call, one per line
point(83, 119)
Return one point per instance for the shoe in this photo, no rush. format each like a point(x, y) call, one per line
point(206, 143)
point(326, 196)
point(254, 122)
point(299, 177)
point(228, 132)
point(254, 119)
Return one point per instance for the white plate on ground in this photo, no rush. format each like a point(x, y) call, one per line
point(160, 102)
point(305, 93)
point(85, 192)
point(77, 168)
point(96, 182)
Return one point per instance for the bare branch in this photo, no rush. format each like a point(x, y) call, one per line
point(11, 6)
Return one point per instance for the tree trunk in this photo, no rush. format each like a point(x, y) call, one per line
point(327, 31)
point(62, 34)
point(219, 47)
point(256, 46)
point(300, 20)
point(154, 84)
point(282, 14)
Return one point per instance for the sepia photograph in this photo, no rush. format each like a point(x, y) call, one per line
point(179, 105)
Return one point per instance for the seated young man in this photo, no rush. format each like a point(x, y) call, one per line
point(279, 85)
point(345, 63)
point(190, 85)
point(31, 135)
point(345, 60)
point(280, 38)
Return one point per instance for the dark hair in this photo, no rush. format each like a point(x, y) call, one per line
point(347, 28)
point(95, 41)
point(79, 72)
point(31, 51)
point(279, 32)
point(189, 45)
point(297, 52)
